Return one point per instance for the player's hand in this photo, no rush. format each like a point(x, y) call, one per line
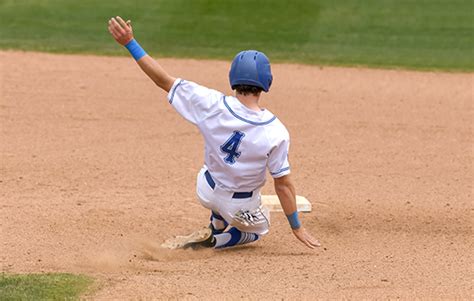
point(121, 30)
point(306, 238)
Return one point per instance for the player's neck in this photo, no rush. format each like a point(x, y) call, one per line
point(250, 101)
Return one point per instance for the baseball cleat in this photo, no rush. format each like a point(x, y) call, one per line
point(199, 239)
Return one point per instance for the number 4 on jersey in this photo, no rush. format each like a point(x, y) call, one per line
point(231, 147)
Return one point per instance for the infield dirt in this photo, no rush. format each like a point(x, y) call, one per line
point(97, 170)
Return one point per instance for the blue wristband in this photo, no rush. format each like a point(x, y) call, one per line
point(293, 220)
point(135, 49)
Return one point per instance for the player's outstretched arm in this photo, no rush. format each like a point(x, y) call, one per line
point(285, 190)
point(123, 34)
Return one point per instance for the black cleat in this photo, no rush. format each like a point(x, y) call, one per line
point(200, 239)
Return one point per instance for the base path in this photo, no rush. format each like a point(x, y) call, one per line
point(97, 170)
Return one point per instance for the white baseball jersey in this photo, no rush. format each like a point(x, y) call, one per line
point(240, 144)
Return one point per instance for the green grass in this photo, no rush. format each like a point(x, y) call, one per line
point(43, 286)
point(419, 34)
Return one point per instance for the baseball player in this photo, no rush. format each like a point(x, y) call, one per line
point(242, 141)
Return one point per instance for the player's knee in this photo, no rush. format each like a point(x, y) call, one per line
point(261, 230)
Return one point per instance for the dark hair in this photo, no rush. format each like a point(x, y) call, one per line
point(246, 89)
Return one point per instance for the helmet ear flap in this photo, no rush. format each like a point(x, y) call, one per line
point(251, 68)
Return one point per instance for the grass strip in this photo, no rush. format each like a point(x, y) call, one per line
point(43, 286)
point(422, 34)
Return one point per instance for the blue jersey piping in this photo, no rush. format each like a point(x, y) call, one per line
point(246, 120)
point(280, 171)
point(174, 90)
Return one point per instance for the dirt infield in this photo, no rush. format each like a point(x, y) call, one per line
point(97, 170)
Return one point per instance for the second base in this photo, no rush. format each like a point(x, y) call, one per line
point(273, 203)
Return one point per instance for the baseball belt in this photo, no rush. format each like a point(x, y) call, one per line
point(236, 195)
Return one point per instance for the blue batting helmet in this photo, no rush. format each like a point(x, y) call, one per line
point(252, 68)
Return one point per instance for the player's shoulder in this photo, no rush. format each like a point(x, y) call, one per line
point(196, 85)
point(183, 86)
point(276, 129)
point(276, 122)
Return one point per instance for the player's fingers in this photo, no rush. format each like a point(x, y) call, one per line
point(122, 23)
point(114, 32)
point(117, 26)
point(314, 242)
point(308, 244)
point(112, 26)
point(117, 30)
point(129, 23)
point(302, 237)
point(109, 27)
